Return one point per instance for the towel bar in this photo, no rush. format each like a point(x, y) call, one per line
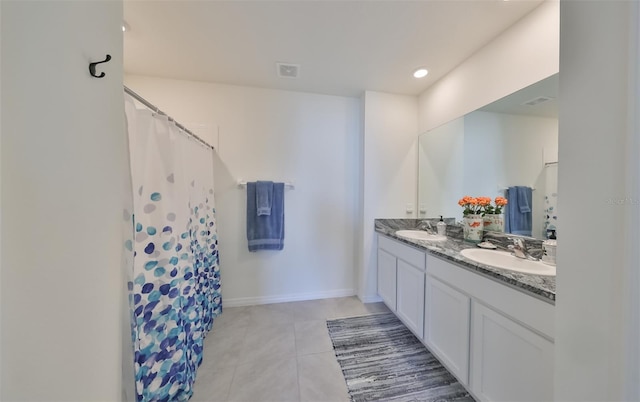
point(506, 188)
point(243, 184)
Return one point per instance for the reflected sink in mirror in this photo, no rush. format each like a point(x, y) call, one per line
point(504, 260)
point(420, 235)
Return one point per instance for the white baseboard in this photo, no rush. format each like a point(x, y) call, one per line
point(370, 299)
point(252, 301)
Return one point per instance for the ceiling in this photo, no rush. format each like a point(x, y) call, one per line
point(516, 103)
point(342, 47)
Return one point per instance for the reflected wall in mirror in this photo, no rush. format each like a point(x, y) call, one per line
point(510, 142)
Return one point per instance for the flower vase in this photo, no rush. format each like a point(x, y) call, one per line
point(494, 222)
point(472, 228)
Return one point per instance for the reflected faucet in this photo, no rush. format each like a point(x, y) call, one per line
point(520, 249)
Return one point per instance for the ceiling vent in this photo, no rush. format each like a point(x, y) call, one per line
point(287, 70)
point(536, 101)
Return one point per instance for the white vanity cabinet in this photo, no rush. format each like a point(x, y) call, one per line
point(510, 361)
point(509, 334)
point(411, 296)
point(446, 326)
point(496, 340)
point(409, 264)
point(387, 278)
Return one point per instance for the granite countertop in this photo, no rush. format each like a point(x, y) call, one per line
point(542, 287)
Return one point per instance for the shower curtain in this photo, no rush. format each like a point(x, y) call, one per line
point(175, 292)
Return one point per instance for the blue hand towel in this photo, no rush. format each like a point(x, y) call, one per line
point(518, 212)
point(524, 198)
point(264, 192)
point(265, 232)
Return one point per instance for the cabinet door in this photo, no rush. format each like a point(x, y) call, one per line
point(387, 278)
point(446, 326)
point(509, 362)
point(411, 297)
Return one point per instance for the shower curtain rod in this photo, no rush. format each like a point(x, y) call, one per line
point(160, 112)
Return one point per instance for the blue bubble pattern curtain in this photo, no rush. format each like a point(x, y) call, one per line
point(175, 293)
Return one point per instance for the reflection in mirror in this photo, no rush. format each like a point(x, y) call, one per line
point(511, 142)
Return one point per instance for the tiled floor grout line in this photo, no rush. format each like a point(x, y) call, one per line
point(295, 349)
point(226, 396)
point(307, 339)
point(235, 366)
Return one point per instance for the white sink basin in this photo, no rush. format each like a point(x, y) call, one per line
point(504, 260)
point(420, 235)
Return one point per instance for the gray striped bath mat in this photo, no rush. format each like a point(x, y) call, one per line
point(383, 361)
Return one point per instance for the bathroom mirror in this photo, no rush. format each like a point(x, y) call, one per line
point(510, 142)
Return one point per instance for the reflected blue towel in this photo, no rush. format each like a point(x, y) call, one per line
point(524, 198)
point(265, 232)
point(264, 192)
point(518, 212)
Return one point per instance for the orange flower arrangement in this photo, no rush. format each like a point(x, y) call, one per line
point(481, 205)
point(473, 205)
point(500, 202)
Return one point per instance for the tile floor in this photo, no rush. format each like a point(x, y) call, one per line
point(276, 352)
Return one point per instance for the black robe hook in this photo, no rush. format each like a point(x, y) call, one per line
point(92, 67)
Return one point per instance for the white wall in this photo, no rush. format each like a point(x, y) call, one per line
point(480, 154)
point(597, 307)
point(503, 150)
point(441, 163)
point(306, 138)
point(522, 55)
point(1, 349)
point(389, 173)
point(64, 162)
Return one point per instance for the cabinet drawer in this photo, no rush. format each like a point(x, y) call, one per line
point(406, 253)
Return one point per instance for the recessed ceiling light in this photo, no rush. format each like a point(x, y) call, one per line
point(420, 73)
point(125, 27)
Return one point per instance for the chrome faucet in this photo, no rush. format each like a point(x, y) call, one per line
point(426, 226)
point(520, 250)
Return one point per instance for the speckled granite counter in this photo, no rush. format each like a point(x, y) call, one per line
point(542, 287)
